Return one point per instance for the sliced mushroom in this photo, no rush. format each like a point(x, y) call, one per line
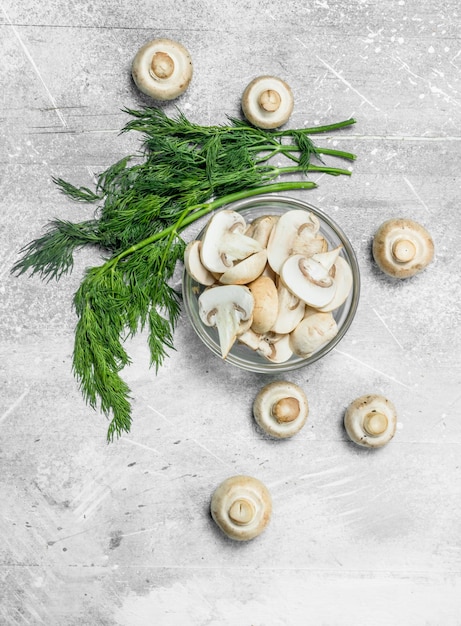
point(194, 265)
point(290, 310)
point(261, 228)
point(344, 279)
point(267, 102)
point(402, 247)
point(279, 345)
point(229, 309)
point(162, 69)
point(296, 232)
point(309, 280)
point(371, 420)
point(265, 309)
point(245, 271)
point(241, 506)
point(312, 333)
point(224, 241)
point(281, 409)
point(255, 341)
point(328, 258)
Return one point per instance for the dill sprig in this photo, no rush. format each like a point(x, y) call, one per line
point(183, 171)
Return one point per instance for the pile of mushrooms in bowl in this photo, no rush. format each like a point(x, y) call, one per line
point(270, 284)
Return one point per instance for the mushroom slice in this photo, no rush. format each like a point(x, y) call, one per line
point(291, 232)
point(194, 265)
point(343, 278)
point(281, 409)
point(402, 247)
point(261, 228)
point(226, 307)
point(309, 280)
point(269, 272)
point(290, 310)
point(162, 69)
point(265, 298)
point(371, 420)
point(279, 345)
point(245, 271)
point(328, 258)
point(312, 333)
point(309, 246)
point(241, 506)
point(224, 241)
point(267, 102)
point(255, 342)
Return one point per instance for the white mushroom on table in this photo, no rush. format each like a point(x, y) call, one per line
point(280, 409)
point(371, 420)
point(267, 102)
point(241, 506)
point(162, 69)
point(294, 281)
point(402, 247)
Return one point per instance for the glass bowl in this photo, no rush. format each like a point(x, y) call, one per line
point(242, 356)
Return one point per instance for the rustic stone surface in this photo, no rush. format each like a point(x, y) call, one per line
point(120, 534)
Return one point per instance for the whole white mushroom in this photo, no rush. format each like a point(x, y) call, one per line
point(267, 102)
point(402, 247)
point(241, 506)
point(162, 69)
point(371, 420)
point(281, 409)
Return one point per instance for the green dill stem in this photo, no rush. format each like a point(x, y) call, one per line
point(335, 171)
point(197, 211)
point(316, 129)
point(288, 150)
point(338, 153)
point(174, 232)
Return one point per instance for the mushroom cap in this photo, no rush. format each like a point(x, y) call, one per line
point(241, 506)
point(162, 69)
point(229, 309)
point(281, 409)
point(312, 333)
point(194, 265)
point(267, 102)
point(308, 279)
point(224, 241)
point(371, 420)
point(261, 228)
point(402, 247)
point(265, 298)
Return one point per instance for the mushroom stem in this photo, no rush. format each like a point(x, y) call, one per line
point(315, 272)
point(403, 250)
point(375, 423)
point(242, 511)
point(227, 321)
point(162, 65)
point(269, 100)
point(286, 410)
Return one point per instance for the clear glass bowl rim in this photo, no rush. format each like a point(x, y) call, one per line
point(252, 361)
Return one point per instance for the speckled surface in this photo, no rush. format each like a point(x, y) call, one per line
point(97, 534)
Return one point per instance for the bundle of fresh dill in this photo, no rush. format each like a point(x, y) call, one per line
point(183, 171)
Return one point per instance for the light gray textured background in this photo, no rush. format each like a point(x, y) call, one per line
point(97, 534)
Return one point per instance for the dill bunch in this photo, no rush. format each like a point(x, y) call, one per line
point(182, 172)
